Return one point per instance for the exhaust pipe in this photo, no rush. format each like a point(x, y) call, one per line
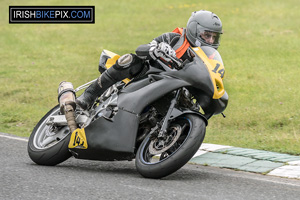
point(66, 99)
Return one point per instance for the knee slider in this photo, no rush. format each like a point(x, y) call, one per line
point(129, 64)
point(127, 61)
point(124, 61)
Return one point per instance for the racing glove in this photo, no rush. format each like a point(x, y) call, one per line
point(161, 50)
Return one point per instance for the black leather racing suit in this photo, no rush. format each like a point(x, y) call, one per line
point(118, 73)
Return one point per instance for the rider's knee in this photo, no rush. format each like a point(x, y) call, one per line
point(127, 66)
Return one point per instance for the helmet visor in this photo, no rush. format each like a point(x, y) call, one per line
point(210, 37)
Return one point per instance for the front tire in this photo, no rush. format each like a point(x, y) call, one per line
point(153, 160)
point(48, 145)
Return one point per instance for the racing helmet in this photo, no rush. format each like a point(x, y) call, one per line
point(204, 28)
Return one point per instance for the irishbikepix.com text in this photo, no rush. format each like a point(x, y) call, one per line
point(51, 14)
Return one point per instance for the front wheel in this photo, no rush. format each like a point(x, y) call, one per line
point(157, 157)
point(48, 144)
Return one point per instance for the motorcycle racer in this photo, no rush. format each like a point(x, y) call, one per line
point(204, 28)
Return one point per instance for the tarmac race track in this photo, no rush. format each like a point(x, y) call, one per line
point(82, 179)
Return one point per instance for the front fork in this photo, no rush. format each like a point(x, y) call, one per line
point(165, 123)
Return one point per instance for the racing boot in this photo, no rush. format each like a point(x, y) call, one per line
point(97, 88)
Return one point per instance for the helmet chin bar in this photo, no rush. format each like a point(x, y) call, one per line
point(198, 43)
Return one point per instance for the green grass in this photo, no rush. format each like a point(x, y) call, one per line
point(260, 49)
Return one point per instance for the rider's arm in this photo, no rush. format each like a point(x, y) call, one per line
point(170, 38)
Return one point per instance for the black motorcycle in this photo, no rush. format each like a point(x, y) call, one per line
point(158, 118)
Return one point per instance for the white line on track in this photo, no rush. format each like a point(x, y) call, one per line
point(14, 137)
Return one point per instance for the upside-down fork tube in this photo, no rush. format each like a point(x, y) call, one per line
point(167, 117)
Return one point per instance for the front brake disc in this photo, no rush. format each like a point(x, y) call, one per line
point(158, 146)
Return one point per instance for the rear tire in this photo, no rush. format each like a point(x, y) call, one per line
point(48, 145)
point(182, 150)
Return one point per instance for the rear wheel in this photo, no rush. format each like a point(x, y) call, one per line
point(159, 157)
point(48, 144)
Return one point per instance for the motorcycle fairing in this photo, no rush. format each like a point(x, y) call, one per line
point(115, 139)
point(110, 140)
